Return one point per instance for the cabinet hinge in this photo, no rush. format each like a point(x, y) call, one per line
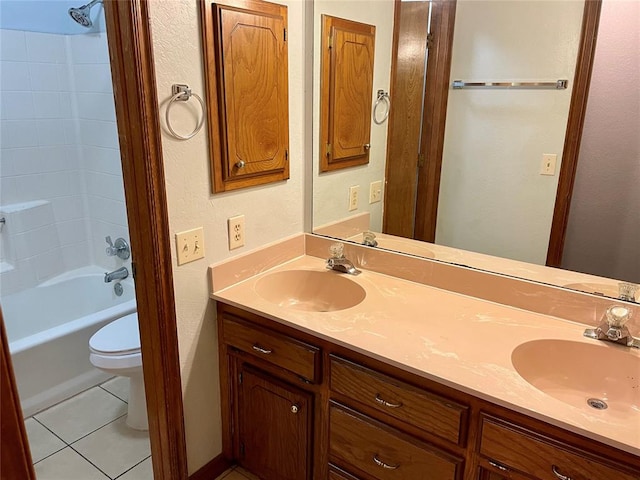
point(285, 35)
point(330, 42)
point(429, 40)
point(420, 160)
point(133, 270)
point(286, 155)
point(328, 151)
point(242, 449)
point(240, 377)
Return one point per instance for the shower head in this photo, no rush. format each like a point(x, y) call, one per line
point(81, 15)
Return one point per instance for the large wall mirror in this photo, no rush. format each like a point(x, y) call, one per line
point(486, 176)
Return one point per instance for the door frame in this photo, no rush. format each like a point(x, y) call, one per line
point(137, 113)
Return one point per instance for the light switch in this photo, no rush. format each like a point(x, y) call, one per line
point(548, 164)
point(190, 245)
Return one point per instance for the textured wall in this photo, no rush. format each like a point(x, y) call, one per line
point(331, 189)
point(493, 199)
point(271, 212)
point(603, 231)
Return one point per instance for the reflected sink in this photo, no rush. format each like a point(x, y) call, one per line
point(310, 290)
point(576, 373)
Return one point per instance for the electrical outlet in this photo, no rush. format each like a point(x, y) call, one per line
point(236, 232)
point(375, 191)
point(190, 245)
point(354, 192)
point(548, 164)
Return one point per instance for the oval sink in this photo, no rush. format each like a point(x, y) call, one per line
point(309, 290)
point(581, 374)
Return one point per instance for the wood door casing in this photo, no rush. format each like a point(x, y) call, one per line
point(246, 58)
point(346, 93)
point(275, 440)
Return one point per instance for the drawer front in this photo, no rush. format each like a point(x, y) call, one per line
point(384, 453)
point(532, 455)
point(337, 474)
point(283, 351)
point(427, 411)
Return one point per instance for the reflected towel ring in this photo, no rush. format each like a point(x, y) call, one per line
point(183, 93)
point(382, 97)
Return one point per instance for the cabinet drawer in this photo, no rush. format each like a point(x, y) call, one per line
point(384, 453)
point(431, 413)
point(281, 350)
point(532, 454)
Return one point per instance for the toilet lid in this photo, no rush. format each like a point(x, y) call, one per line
point(118, 337)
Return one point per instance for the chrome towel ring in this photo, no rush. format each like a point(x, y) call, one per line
point(383, 97)
point(183, 93)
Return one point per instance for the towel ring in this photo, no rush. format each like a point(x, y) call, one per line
point(183, 93)
point(382, 97)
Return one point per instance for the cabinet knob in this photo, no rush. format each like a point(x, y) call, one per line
point(366, 146)
point(240, 164)
point(294, 408)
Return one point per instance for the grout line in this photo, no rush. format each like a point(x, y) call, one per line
point(111, 393)
point(52, 432)
point(94, 431)
point(90, 462)
point(128, 470)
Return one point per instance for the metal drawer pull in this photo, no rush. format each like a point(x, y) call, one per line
point(380, 463)
point(555, 471)
point(262, 350)
point(498, 466)
point(382, 401)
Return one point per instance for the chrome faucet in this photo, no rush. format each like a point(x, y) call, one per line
point(339, 262)
point(613, 328)
point(369, 239)
point(627, 291)
point(121, 248)
point(119, 274)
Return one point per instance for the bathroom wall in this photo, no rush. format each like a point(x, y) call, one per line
point(331, 189)
point(603, 230)
point(494, 142)
point(60, 175)
point(272, 212)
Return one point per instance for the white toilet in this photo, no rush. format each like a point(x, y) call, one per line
point(115, 349)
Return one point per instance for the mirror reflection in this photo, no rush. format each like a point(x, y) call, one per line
point(476, 179)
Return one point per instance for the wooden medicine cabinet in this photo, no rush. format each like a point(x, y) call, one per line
point(246, 59)
point(345, 93)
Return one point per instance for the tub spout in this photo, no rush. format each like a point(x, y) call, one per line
point(119, 274)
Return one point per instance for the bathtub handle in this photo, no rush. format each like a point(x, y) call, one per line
point(121, 249)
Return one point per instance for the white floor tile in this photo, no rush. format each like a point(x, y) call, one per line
point(67, 465)
point(244, 474)
point(225, 475)
point(118, 386)
point(42, 442)
point(142, 471)
point(115, 448)
point(82, 414)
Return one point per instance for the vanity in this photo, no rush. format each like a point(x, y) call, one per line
point(333, 376)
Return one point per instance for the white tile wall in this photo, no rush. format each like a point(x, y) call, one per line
point(59, 142)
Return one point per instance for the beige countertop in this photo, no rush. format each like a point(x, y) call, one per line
point(457, 340)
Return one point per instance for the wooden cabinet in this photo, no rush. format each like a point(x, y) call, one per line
point(298, 407)
point(345, 93)
point(245, 50)
point(275, 422)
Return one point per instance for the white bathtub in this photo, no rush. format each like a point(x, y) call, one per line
point(49, 329)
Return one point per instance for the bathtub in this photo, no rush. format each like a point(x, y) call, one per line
point(49, 327)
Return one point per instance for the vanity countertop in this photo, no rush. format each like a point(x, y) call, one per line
point(456, 340)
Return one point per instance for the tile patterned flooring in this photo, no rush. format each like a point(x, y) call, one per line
point(237, 473)
point(86, 438)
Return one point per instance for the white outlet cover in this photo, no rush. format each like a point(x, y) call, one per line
point(236, 232)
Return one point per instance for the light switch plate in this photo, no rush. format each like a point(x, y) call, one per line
point(190, 245)
point(375, 191)
point(548, 164)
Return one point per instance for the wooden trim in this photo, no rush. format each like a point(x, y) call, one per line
point(435, 115)
point(216, 467)
point(137, 112)
point(15, 456)
point(575, 124)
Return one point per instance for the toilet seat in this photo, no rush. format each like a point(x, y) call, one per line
point(118, 338)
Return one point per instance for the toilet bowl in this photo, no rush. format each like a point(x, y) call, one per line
point(115, 349)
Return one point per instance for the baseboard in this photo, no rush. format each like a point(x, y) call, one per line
point(212, 470)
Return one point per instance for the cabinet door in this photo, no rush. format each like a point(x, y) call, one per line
point(275, 427)
point(346, 92)
point(252, 90)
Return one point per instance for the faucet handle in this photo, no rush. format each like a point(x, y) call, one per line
point(110, 250)
point(617, 316)
point(336, 250)
point(627, 291)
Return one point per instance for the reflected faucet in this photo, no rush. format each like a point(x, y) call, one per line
point(119, 274)
point(369, 239)
point(613, 328)
point(339, 262)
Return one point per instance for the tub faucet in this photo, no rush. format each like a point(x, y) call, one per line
point(119, 274)
point(613, 328)
point(339, 262)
